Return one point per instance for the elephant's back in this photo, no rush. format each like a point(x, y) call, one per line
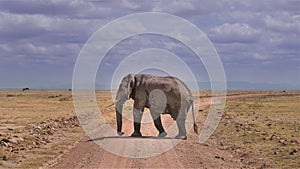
point(173, 88)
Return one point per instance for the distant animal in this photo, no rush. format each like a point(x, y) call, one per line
point(26, 88)
point(162, 95)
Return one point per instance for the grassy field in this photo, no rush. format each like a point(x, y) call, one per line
point(33, 126)
point(38, 125)
point(262, 129)
point(20, 108)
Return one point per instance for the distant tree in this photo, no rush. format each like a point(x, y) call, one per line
point(26, 88)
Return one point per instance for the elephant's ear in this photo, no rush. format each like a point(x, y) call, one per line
point(130, 87)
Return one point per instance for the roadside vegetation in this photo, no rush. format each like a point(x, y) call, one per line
point(262, 131)
point(37, 126)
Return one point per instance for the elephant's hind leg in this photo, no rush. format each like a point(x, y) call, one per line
point(159, 127)
point(181, 127)
point(180, 121)
point(157, 122)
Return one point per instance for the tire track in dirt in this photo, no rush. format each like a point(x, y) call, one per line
point(188, 153)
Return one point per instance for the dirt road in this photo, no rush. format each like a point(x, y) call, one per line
point(186, 154)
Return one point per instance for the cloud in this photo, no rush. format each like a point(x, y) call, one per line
point(174, 6)
point(234, 33)
point(191, 8)
point(130, 5)
point(67, 9)
point(18, 27)
point(260, 56)
point(37, 38)
point(171, 45)
point(286, 25)
point(275, 5)
point(247, 34)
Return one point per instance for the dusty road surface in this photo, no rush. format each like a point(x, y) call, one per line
point(186, 154)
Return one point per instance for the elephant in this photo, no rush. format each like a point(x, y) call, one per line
point(160, 94)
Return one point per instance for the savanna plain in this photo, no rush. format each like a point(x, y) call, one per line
point(258, 129)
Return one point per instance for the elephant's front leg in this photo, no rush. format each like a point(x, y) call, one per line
point(137, 116)
point(157, 122)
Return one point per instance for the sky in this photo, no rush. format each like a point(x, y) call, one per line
point(257, 41)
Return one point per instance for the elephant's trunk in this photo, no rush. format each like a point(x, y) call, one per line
point(123, 94)
point(119, 108)
point(119, 102)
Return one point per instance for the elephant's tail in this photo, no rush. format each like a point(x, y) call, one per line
point(195, 125)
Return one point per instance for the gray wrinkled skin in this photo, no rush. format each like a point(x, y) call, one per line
point(162, 95)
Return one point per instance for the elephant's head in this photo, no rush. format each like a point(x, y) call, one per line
point(123, 94)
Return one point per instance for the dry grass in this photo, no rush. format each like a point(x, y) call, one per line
point(262, 129)
point(22, 110)
point(44, 154)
